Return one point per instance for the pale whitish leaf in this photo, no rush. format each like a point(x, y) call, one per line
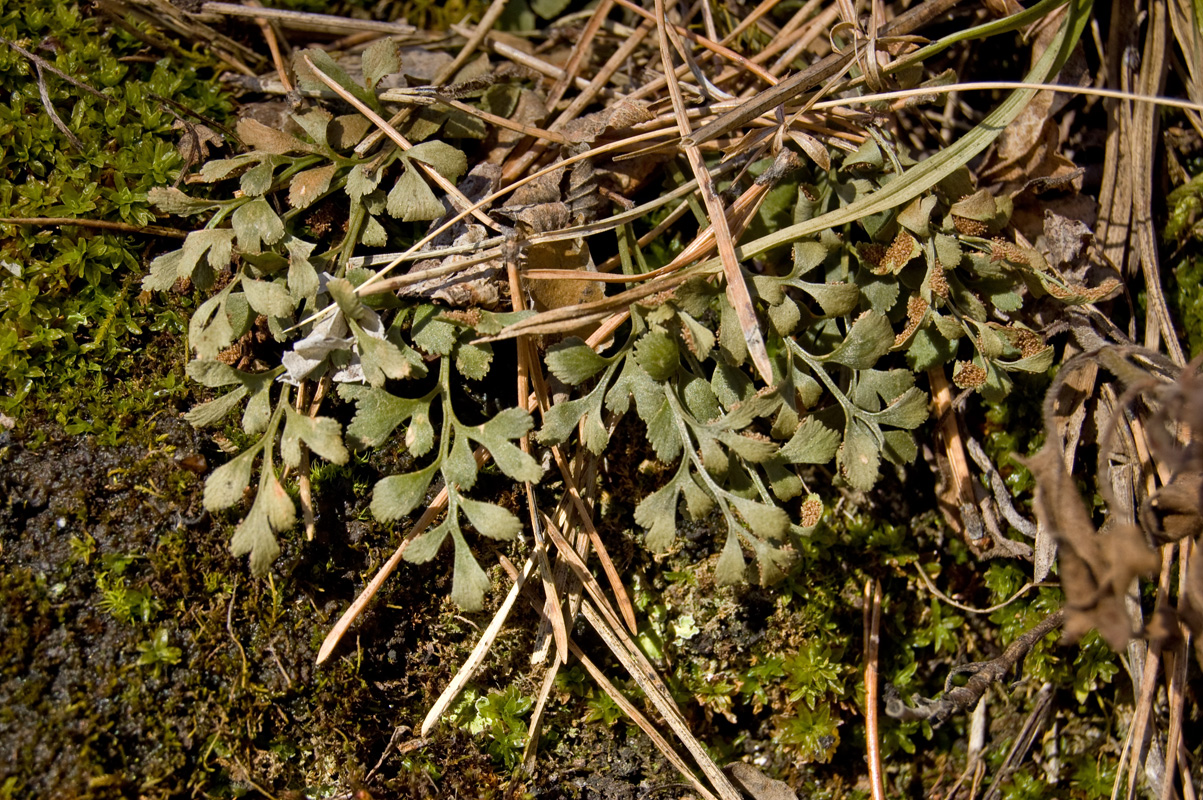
point(419, 436)
point(899, 447)
point(573, 361)
point(948, 327)
point(258, 409)
point(807, 256)
point(426, 546)
point(268, 297)
point(209, 330)
point(700, 399)
point(772, 562)
point(459, 468)
point(381, 359)
point(273, 512)
point(594, 435)
point(663, 434)
point(748, 448)
point(269, 140)
point(348, 130)
point(729, 569)
point(1037, 362)
point(697, 500)
point(412, 200)
point(969, 303)
point(380, 60)
point(397, 495)
point(377, 413)
point(165, 271)
point(657, 514)
point(214, 411)
point(1006, 300)
point(767, 522)
point(785, 317)
point(239, 311)
point(170, 200)
point(731, 337)
point(836, 299)
point(469, 582)
point(812, 443)
point(730, 385)
point(309, 185)
point(491, 520)
point(768, 288)
point(322, 434)
point(757, 405)
point(657, 353)
point(561, 420)
point(511, 460)
point(258, 179)
point(698, 338)
point(511, 423)
point(859, 456)
point(874, 386)
point(909, 411)
point(434, 335)
point(373, 234)
point(870, 337)
point(784, 483)
point(714, 457)
point(695, 296)
point(314, 121)
point(448, 161)
point(217, 243)
point(634, 382)
point(361, 182)
point(255, 224)
point(214, 373)
point(948, 251)
point(169, 267)
point(916, 217)
point(928, 349)
point(348, 302)
point(226, 485)
point(302, 275)
point(880, 290)
point(473, 360)
point(218, 169)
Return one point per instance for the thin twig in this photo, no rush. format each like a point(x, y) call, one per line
point(98, 224)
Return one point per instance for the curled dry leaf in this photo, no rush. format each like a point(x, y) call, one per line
point(1096, 568)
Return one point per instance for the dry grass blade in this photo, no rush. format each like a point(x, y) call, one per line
point(872, 618)
point(447, 186)
point(619, 699)
point(436, 507)
point(737, 287)
point(476, 658)
point(308, 21)
point(607, 625)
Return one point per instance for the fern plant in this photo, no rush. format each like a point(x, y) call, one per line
point(850, 317)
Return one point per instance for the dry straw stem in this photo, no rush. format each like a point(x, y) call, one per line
point(872, 619)
point(307, 21)
point(436, 507)
point(614, 694)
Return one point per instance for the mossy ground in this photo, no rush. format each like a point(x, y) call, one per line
point(140, 658)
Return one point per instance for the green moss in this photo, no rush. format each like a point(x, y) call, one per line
point(68, 307)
